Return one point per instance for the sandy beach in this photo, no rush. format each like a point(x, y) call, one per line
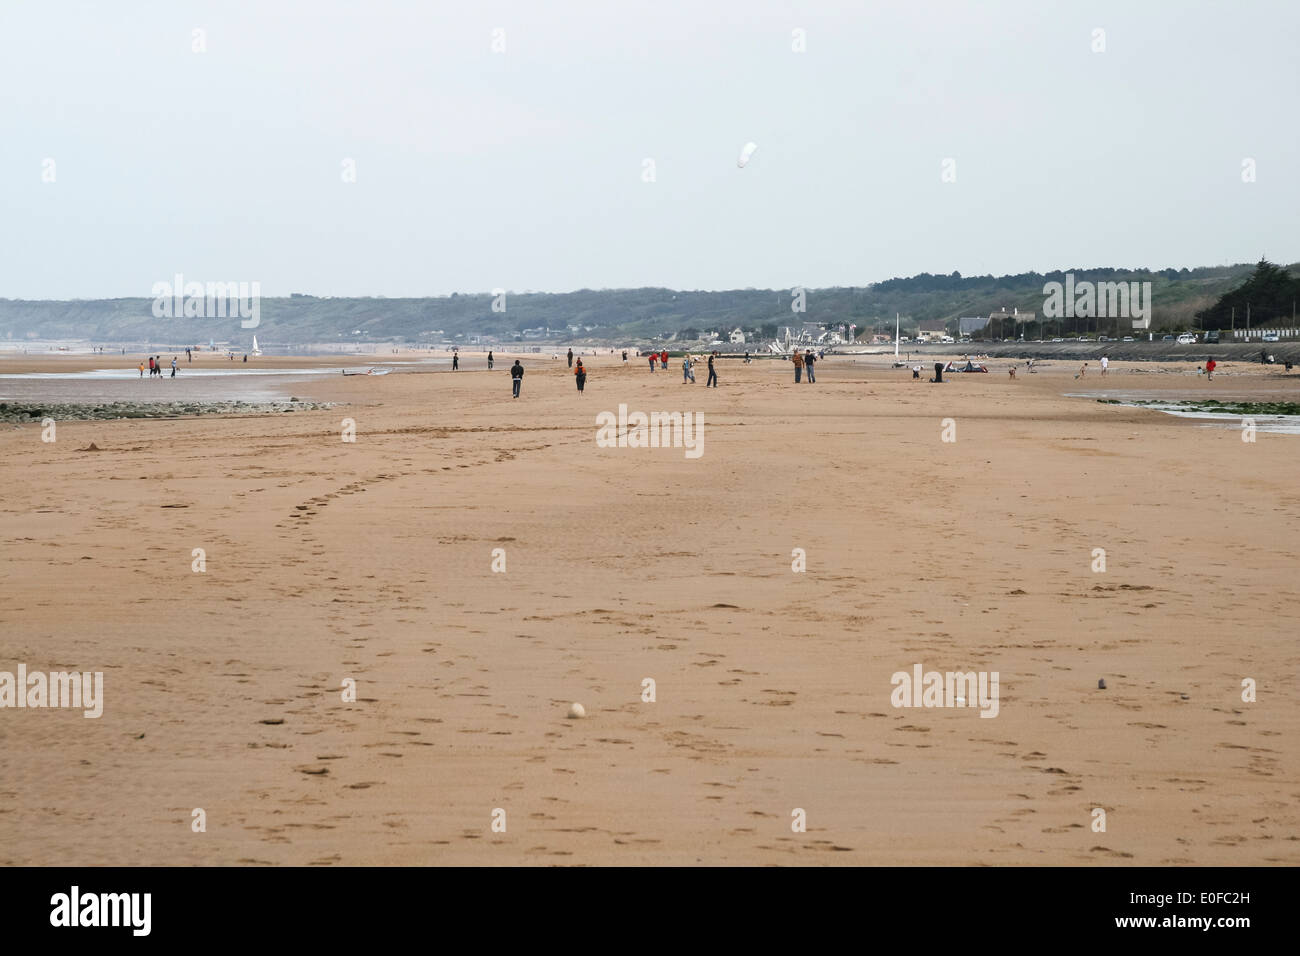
point(372, 561)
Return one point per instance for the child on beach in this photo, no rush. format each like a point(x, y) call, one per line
point(688, 373)
point(580, 374)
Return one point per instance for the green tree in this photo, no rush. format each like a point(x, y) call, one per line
point(1270, 293)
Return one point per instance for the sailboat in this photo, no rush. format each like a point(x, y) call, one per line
point(256, 350)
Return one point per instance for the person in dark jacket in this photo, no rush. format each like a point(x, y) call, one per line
point(516, 376)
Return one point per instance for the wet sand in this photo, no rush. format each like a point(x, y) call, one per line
point(208, 378)
point(328, 560)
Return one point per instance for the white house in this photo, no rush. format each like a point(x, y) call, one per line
point(737, 337)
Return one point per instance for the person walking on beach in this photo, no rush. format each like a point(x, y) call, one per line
point(625, 356)
point(688, 373)
point(1105, 364)
point(653, 358)
point(580, 374)
point(142, 369)
point(455, 361)
point(808, 361)
point(151, 366)
point(713, 375)
point(570, 358)
point(1209, 368)
point(797, 358)
point(173, 366)
point(516, 377)
point(188, 356)
point(489, 361)
point(663, 359)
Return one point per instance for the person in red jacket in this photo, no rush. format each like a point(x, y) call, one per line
point(1209, 368)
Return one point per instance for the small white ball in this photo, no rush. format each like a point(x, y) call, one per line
point(577, 710)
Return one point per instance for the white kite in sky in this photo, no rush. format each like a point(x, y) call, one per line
point(745, 153)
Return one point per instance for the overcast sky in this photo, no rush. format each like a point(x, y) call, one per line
point(525, 169)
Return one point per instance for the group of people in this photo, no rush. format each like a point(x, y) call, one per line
point(517, 375)
point(580, 371)
point(804, 362)
point(156, 366)
point(688, 370)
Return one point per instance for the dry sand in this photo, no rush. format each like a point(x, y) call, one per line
point(372, 560)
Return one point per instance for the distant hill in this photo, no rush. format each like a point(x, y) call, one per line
point(612, 315)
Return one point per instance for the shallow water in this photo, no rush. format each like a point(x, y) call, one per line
point(181, 372)
point(1274, 424)
point(126, 385)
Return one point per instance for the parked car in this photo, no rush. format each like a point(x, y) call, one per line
point(1103, 338)
point(1129, 338)
point(1166, 338)
point(1212, 338)
point(1271, 337)
point(1056, 340)
point(1187, 339)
